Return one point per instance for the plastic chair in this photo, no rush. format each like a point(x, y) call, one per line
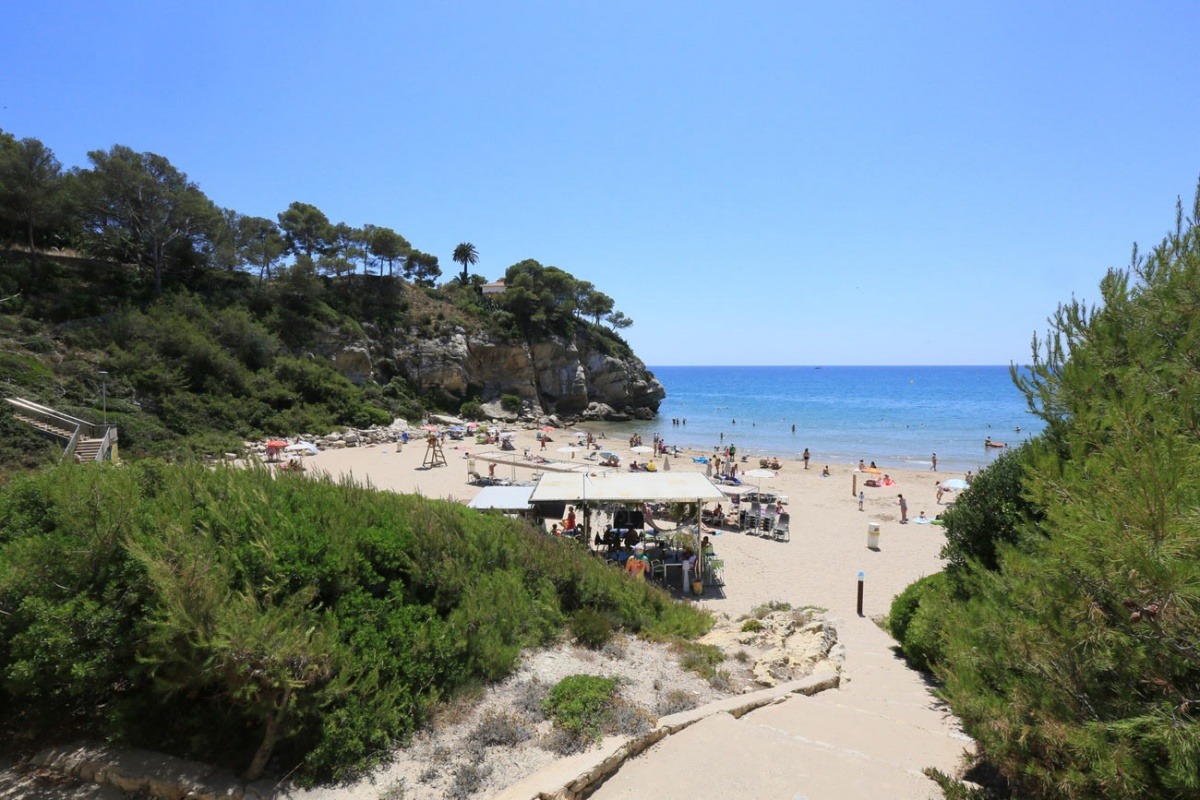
point(658, 569)
point(716, 572)
point(782, 529)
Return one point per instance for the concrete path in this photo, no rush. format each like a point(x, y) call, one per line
point(869, 738)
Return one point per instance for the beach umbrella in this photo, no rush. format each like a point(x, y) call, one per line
point(569, 448)
point(302, 448)
point(276, 444)
point(641, 448)
point(759, 475)
point(666, 464)
point(581, 434)
point(954, 484)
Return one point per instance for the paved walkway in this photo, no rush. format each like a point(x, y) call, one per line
point(869, 738)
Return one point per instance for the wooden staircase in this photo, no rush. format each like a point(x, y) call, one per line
point(82, 440)
point(49, 428)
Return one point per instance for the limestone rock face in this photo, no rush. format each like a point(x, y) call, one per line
point(556, 375)
point(550, 376)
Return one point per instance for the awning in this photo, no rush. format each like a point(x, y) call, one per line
point(625, 487)
point(504, 498)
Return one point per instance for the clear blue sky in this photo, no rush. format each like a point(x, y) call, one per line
point(754, 183)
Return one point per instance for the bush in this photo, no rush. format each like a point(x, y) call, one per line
point(629, 719)
point(701, 659)
point(510, 402)
point(758, 612)
point(675, 701)
point(752, 626)
point(591, 628)
point(914, 620)
point(579, 704)
point(164, 605)
point(502, 728)
point(471, 410)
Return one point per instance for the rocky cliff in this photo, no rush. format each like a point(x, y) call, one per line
point(567, 377)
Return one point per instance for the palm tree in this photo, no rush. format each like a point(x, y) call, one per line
point(467, 255)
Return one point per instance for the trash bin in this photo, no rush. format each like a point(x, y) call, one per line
point(873, 535)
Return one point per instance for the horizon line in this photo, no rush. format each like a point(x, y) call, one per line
point(822, 366)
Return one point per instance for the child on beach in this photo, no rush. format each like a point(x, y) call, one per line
point(903, 510)
point(862, 496)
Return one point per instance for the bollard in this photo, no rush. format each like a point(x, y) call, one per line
point(860, 592)
point(872, 535)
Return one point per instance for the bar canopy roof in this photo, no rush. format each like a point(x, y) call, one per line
point(504, 498)
point(625, 487)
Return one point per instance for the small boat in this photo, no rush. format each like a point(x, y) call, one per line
point(990, 443)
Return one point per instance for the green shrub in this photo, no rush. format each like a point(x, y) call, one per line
point(471, 409)
point(578, 704)
point(914, 620)
point(510, 402)
point(752, 626)
point(701, 659)
point(164, 606)
point(591, 628)
point(758, 612)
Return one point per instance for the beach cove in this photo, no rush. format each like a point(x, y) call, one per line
point(873, 735)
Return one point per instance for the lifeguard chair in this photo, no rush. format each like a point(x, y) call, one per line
point(434, 457)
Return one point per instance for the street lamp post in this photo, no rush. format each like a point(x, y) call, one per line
point(104, 394)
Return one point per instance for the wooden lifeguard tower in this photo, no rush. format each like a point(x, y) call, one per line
point(434, 457)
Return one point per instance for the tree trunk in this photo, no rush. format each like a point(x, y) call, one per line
point(270, 736)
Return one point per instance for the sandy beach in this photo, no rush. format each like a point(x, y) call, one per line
point(818, 567)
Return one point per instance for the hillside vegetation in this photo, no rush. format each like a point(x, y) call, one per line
point(215, 326)
point(267, 622)
point(1066, 629)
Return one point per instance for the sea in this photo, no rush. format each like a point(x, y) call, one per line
point(895, 416)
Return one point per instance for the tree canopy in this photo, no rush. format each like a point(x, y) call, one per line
point(145, 268)
point(1069, 640)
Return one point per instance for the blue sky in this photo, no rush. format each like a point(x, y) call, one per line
point(753, 183)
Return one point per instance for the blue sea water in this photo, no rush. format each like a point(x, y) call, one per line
point(896, 416)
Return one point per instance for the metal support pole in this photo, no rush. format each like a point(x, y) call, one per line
point(860, 592)
point(104, 394)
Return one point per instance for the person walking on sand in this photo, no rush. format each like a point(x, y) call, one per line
point(903, 510)
point(805, 457)
point(941, 490)
point(934, 460)
point(862, 496)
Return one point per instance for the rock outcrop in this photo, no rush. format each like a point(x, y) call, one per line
point(555, 375)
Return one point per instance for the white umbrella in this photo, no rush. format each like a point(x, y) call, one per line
point(954, 484)
point(642, 448)
point(758, 475)
point(570, 448)
point(302, 447)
